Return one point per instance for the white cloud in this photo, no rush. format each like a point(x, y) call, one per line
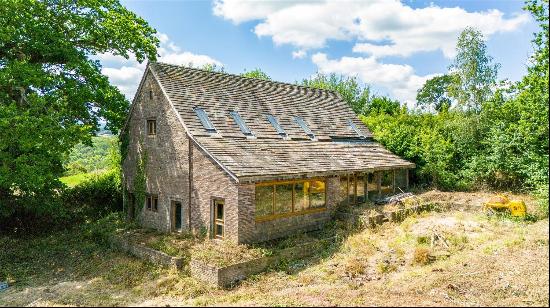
point(240, 11)
point(400, 80)
point(126, 73)
point(404, 30)
point(299, 54)
point(377, 28)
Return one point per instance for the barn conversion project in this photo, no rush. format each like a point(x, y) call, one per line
point(244, 159)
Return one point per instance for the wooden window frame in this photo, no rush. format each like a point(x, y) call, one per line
point(151, 132)
point(154, 206)
point(310, 210)
point(215, 220)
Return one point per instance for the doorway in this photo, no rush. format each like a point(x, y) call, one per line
point(219, 214)
point(177, 216)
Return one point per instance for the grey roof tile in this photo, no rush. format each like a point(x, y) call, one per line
point(269, 155)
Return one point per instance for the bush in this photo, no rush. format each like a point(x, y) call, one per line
point(422, 256)
point(99, 231)
point(94, 198)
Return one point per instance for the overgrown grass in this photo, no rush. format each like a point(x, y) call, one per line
point(73, 180)
point(224, 253)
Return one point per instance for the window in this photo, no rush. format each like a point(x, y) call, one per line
point(244, 128)
point(287, 198)
point(206, 123)
point(304, 126)
point(317, 194)
point(301, 199)
point(355, 128)
point(219, 219)
point(352, 189)
point(152, 203)
point(264, 200)
point(276, 125)
point(283, 198)
point(151, 127)
point(150, 94)
point(372, 185)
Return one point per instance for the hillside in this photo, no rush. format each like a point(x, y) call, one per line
point(489, 261)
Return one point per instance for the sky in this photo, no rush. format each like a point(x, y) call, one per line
point(392, 46)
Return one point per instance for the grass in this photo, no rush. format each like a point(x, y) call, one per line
point(224, 253)
point(73, 180)
point(488, 261)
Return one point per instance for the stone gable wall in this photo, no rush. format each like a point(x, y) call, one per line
point(167, 169)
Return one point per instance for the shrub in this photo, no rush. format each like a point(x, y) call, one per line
point(94, 198)
point(99, 231)
point(422, 256)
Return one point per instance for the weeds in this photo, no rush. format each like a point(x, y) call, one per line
point(422, 256)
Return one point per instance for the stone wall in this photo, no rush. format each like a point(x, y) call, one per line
point(227, 276)
point(146, 253)
point(166, 169)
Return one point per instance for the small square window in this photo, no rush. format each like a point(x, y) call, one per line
point(152, 203)
point(151, 127)
point(149, 203)
point(155, 203)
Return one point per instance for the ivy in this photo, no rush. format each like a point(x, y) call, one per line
point(140, 180)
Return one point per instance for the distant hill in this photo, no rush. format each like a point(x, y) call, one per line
point(86, 159)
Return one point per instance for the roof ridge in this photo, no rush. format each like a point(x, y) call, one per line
point(250, 78)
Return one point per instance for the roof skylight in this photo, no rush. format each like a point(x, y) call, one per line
point(276, 125)
point(203, 117)
point(244, 128)
point(304, 126)
point(355, 128)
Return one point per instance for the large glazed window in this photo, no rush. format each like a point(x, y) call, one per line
point(287, 198)
point(283, 198)
point(317, 194)
point(264, 200)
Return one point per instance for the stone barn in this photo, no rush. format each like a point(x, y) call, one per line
point(244, 159)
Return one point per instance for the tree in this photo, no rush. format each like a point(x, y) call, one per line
point(474, 74)
point(382, 104)
point(211, 67)
point(52, 95)
point(256, 73)
point(349, 88)
point(435, 93)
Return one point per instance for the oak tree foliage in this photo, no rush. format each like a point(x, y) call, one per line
point(52, 93)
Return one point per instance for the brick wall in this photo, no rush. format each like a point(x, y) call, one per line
point(210, 182)
point(167, 165)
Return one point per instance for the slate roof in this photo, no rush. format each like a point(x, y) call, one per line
point(268, 155)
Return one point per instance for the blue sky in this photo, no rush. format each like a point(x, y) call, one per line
point(392, 46)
